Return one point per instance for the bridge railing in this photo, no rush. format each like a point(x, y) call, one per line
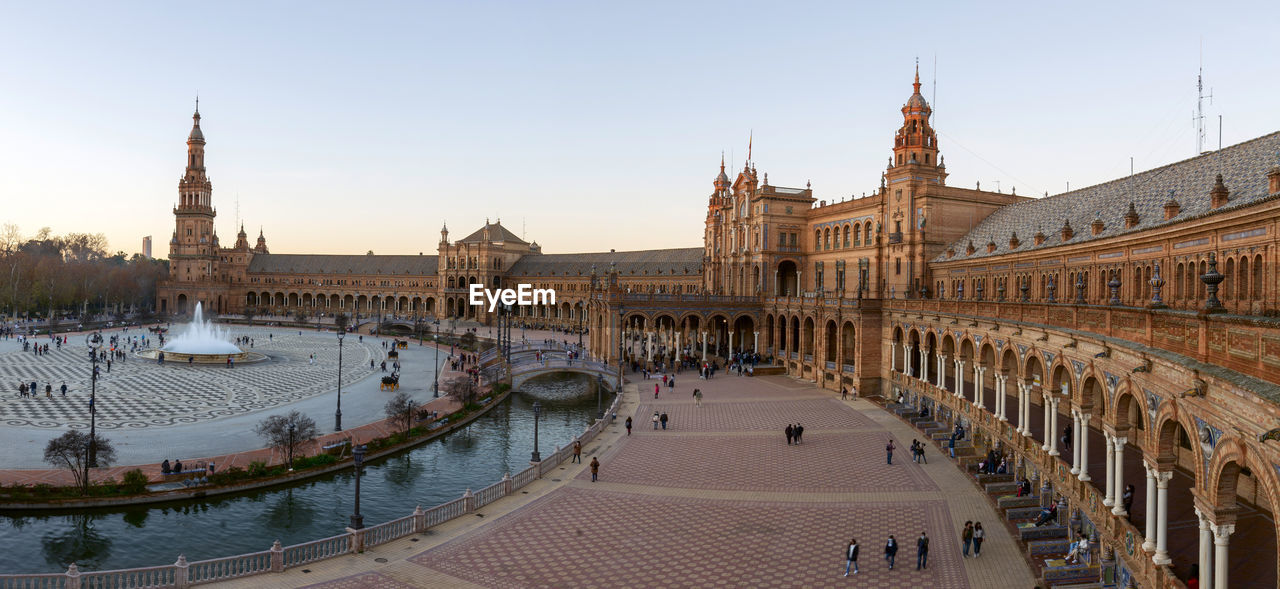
point(278, 559)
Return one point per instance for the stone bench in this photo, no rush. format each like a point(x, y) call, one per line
point(1022, 514)
point(1010, 501)
point(1071, 575)
point(1028, 532)
point(1095, 585)
point(1048, 548)
point(998, 486)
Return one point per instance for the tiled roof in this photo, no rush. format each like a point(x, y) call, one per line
point(343, 264)
point(668, 262)
point(1243, 167)
point(496, 233)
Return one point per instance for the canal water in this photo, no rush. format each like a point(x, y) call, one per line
point(441, 470)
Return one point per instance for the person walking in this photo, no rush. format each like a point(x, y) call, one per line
point(888, 449)
point(64, 388)
point(891, 551)
point(655, 420)
point(922, 552)
point(628, 425)
point(577, 457)
point(851, 557)
point(799, 432)
point(595, 468)
point(663, 419)
point(966, 536)
point(697, 397)
point(790, 431)
point(978, 537)
point(655, 390)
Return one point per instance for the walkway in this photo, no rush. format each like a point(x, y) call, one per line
point(718, 499)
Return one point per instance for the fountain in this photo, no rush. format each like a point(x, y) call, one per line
point(203, 342)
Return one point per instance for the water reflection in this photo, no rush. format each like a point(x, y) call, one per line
point(439, 471)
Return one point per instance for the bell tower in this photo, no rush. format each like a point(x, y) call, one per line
point(193, 250)
point(914, 166)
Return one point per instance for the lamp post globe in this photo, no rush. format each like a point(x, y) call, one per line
point(537, 412)
point(337, 416)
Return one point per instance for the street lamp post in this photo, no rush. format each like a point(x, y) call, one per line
point(537, 412)
point(95, 343)
point(337, 416)
point(435, 341)
point(292, 429)
point(357, 520)
point(599, 393)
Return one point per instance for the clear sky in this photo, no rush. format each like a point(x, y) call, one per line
point(347, 127)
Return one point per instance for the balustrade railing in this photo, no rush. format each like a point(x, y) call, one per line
point(230, 567)
point(314, 550)
point(183, 574)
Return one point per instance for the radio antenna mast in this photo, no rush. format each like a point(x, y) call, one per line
point(1200, 96)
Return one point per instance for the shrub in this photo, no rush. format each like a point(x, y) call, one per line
point(258, 468)
point(134, 481)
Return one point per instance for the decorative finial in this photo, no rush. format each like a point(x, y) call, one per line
point(917, 82)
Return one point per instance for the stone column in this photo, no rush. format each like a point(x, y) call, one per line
point(1022, 416)
point(1149, 543)
point(1117, 489)
point(1075, 437)
point(730, 332)
point(960, 378)
point(1052, 433)
point(1002, 385)
point(1162, 511)
point(941, 375)
point(906, 359)
point(755, 344)
point(1221, 539)
point(924, 363)
point(977, 385)
point(1083, 442)
point(893, 356)
point(1108, 497)
point(1206, 551)
point(1048, 431)
point(704, 346)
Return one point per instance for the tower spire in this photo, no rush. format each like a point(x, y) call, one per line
point(917, 82)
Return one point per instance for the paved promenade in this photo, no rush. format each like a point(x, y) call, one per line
point(717, 500)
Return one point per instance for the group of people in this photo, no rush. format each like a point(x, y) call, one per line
point(972, 535)
point(176, 468)
point(658, 418)
point(26, 391)
point(890, 553)
point(794, 433)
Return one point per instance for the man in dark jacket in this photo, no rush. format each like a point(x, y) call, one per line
point(922, 552)
point(890, 551)
point(790, 432)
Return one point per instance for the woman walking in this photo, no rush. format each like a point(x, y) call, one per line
point(851, 557)
point(978, 535)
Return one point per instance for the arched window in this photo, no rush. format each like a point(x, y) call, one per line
point(817, 239)
point(867, 233)
point(826, 238)
point(846, 236)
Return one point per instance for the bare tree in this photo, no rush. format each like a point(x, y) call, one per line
point(71, 451)
point(462, 388)
point(400, 410)
point(341, 321)
point(275, 430)
point(249, 314)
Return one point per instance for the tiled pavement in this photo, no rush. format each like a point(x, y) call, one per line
point(713, 507)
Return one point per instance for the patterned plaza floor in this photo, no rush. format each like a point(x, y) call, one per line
point(141, 393)
point(717, 500)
